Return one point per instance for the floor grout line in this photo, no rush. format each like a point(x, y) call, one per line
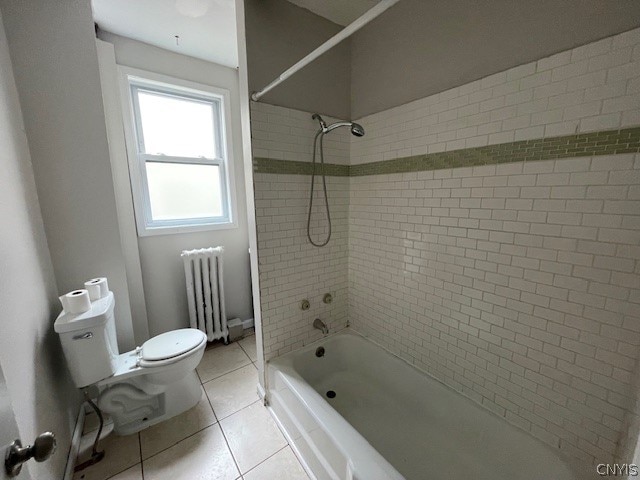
point(245, 352)
point(121, 471)
point(215, 415)
point(226, 441)
point(243, 408)
point(217, 422)
point(226, 373)
point(180, 441)
point(272, 455)
point(230, 371)
point(211, 404)
point(229, 446)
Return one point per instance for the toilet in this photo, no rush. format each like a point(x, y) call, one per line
point(140, 388)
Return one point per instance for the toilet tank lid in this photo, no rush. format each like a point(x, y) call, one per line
point(96, 316)
point(171, 344)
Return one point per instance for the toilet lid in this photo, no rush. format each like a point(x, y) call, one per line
point(171, 344)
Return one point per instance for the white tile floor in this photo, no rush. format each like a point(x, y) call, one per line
point(229, 435)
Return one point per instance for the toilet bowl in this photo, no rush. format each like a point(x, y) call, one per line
point(139, 388)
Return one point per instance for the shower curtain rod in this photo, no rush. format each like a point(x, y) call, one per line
point(347, 31)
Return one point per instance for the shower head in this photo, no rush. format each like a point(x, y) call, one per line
point(357, 129)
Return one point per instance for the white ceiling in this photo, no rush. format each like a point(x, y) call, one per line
point(342, 12)
point(206, 28)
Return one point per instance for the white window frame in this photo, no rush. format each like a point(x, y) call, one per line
point(133, 79)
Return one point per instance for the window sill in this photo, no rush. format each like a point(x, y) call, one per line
point(174, 230)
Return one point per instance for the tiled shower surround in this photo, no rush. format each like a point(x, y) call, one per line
point(515, 284)
point(291, 269)
point(509, 271)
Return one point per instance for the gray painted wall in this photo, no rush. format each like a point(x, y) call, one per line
point(36, 377)
point(55, 64)
point(278, 35)
point(419, 48)
point(162, 268)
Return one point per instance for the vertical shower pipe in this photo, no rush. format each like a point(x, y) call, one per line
point(347, 31)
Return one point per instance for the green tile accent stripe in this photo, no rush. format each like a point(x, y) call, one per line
point(580, 145)
point(291, 167)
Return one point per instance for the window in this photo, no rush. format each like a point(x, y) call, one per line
point(178, 155)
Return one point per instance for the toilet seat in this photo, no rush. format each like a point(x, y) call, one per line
point(169, 347)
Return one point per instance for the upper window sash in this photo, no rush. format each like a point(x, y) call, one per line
point(214, 101)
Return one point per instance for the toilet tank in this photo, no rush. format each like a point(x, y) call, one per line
point(89, 341)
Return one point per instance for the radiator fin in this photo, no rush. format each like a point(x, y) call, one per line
point(203, 271)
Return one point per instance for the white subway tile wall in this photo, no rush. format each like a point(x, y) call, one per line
point(516, 284)
point(286, 134)
point(592, 87)
point(291, 269)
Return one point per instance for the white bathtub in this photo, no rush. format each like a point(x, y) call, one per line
point(390, 421)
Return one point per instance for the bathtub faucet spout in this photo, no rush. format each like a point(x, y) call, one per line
point(319, 324)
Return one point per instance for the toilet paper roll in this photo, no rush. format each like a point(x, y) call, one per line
point(98, 288)
point(76, 301)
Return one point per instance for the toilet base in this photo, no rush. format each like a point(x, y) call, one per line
point(133, 410)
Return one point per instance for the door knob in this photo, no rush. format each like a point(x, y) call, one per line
point(43, 447)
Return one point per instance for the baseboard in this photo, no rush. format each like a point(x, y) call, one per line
point(75, 444)
point(248, 323)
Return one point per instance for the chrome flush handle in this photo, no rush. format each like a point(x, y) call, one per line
point(83, 336)
point(41, 450)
